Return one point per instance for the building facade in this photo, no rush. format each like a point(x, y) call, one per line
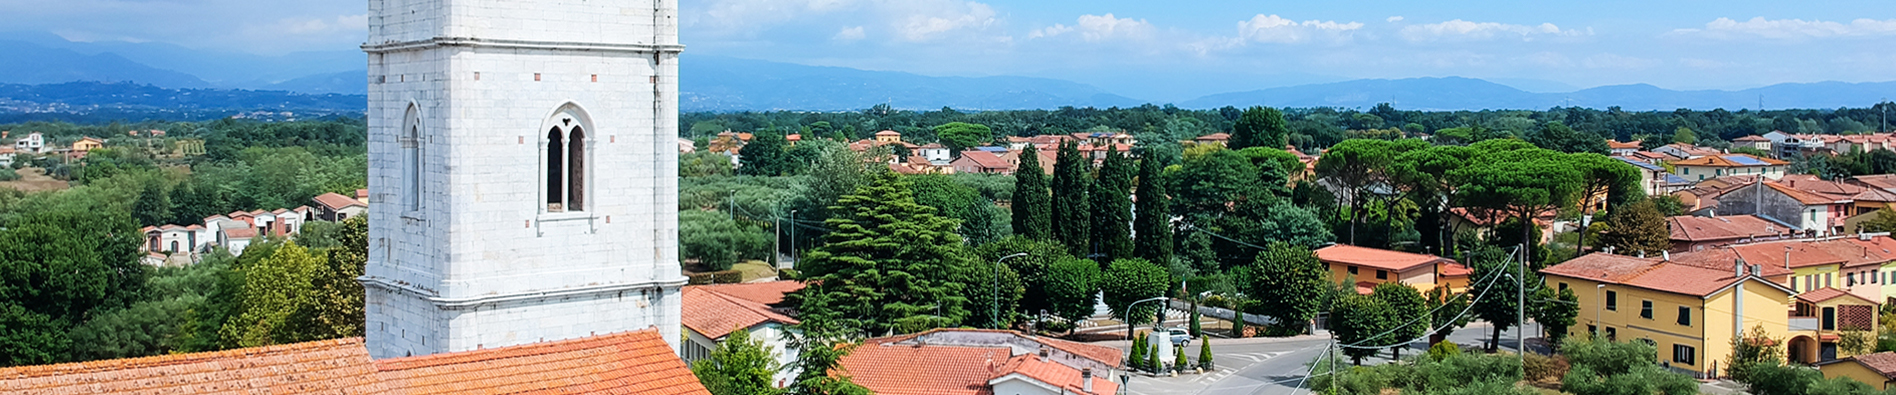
point(523, 164)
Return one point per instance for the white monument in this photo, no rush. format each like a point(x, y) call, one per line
point(523, 161)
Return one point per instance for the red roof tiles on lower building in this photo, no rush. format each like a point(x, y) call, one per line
point(1376, 258)
point(637, 362)
point(889, 369)
point(714, 314)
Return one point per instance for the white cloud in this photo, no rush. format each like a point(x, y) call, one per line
point(1095, 28)
point(1275, 29)
point(1460, 30)
point(1758, 27)
point(926, 20)
point(1394, 19)
point(849, 34)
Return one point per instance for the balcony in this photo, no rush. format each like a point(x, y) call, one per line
point(1804, 324)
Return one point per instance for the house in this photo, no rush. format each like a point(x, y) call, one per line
point(1650, 157)
point(1654, 178)
point(712, 312)
point(334, 207)
point(1878, 370)
point(1617, 148)
point(1687, 151)
point(1753, 141)
point(1045, 141)
point(1689, 313)
point(985, 162)
point(981, 362)
point(686, 146)
point(1369, 267)
point(1691, 233)
point(6, 156)
point(935, 153)
point(1791, 202)
point(1214, 138)
point(173, 239)
point(236, 240)
point(631, 363)
point(33, 144)
point(1699, 168)
point(792, 139)
point(914, 164)
point(87, 144)
point(1097, 152)
point(888, 136)
point(1819, 320)
point(1703, 196)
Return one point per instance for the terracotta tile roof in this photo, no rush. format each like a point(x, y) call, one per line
point(1751, 138)
point(1104, 355)
point(240, 233)
point(320, 367)
point(986, 160)
point(335, 201)
point(1214, 137)
point(715, 314)
point(637, 362)
point(1651, 156)
point(1824, 294)
point(1807, 253)
point(1456, 270)
point(1376, 258)
point(889, 369)
point(1721, 258)
point(1615, 144)
point(769, 293)
point(887, 133)
point(1650, 274)
point(1730, 227)
point(1883, 363)
point(1807, 198)
point(1031, 366)
point(1693, 150)
point(1885, 182)
point(1716, 159)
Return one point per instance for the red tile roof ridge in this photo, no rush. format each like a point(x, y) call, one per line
point(1376, 258)
point(107, 365)
point(1828, 293)
point(1883, 363)
point(519, 351)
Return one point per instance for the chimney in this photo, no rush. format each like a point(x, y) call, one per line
point(1086, 380)
point(1043, 352)
point(1757, 270)
point(1738, 268)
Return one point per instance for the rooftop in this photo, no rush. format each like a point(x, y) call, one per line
point(716, 311)
point(1652, 274)
point(1730, 227)
point(1729, 160)
point(336, 201)
point(1376, 258)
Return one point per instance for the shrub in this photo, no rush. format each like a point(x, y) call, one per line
point(727, 277)
point(7, 174)
point(1218, 301)
point(1204, 353)
point(1542, 368)
point(699, 278)
point(1442, 350)
point(787, 274)
point(1237, 325)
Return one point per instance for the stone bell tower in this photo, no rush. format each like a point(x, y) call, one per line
point(522, 172)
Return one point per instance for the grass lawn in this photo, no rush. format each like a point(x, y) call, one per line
point(755, 270)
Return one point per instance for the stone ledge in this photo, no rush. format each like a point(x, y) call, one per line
point(464, 303)
point(517, 44)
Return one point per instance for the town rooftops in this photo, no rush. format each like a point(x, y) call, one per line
point(1652, 274)
point(966, 361)
point(897, 370)
point(1648, 166)
point(242, 232)
point(1827, 293)
point(335, 201)
point(1809, 198)
point(1885, 182)
point(1729, 160)
point(1730, 227)
point(987, 160)
point(1616, 144)
point(1032, 366)
point(1751, 139)
point(716, 310)
point(1376, 258)
point(623, 363)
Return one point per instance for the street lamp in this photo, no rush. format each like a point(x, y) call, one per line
point(1155, 325)
point(997, 288)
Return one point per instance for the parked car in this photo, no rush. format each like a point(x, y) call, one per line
point(1180, 336)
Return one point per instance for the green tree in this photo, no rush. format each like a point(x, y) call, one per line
point(1600, 367)
point(1035, 269)
point(273, 289)
point(1448, 317)
point(153, 207)
point(1355, 320)
point(61, 264)
point(1408, 309)
point(1112, 209)
point(1205, 183)
point(1556, 311)
point(1260, 127)
point(704, 164)
point(1497, 309)
point(1070, 288)
point(1637, 228)
point(1033, 211)
point(1520, 184)
point(821, 341)
point(717, 241)
point(1204, 352)
point(1885, 221)
point(960, 135)
point(1137, 356)
point(1362, 170)
point(1131, 280)
point(888, 264)
point(1754, 348)
point(981, 221)
point(1557, 136)
point(1260, 222)
point(1153, 220)
point(1289, 285)
point(335, 308)
point(739, 366)
point(1684, 135)
point(1071, 216)
point(764, 155)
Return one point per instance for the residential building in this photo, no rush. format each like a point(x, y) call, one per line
point(1753, 141)
point(981, 362)
point(712, 312)
point(1878, 370)
point(87, 144)
point(334, 207)
point(935, 153)
point(1810, 212)
point(1703, 167)
point(1686, 151)
point(6, 156)
point(1214, 138)
point(1651, 157)
point(1654, 179)
point(985, 162)
point(632, 363)
point(1703, 196)
point(1369, 267)
point(1691, 233)
point(686, 146)
point(1819, 320)
point(1689, 313)
point(1045, 141)
point(1617, 148)
point(33, 144)
point(1098, 152)
point(888, 136)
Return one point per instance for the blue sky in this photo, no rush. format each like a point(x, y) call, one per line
point(1157, 50)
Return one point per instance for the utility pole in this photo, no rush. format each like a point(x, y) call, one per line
point(1520, 309)
point(793, 239)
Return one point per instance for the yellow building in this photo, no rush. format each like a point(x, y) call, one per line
point(1369, 267)
point(1689, 313)
point(1714, 166)
point(1878, 370)
point(888, 136)
point(1820, 320)
point(87, 144)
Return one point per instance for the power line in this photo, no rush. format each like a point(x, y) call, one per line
point(1464, 312)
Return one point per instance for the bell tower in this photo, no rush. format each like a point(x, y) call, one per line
point(523, 172)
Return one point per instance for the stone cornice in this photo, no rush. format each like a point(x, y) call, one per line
point(518, 44)
point(464, 303)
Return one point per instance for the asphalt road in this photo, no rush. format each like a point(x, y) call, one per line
point(1274, 366)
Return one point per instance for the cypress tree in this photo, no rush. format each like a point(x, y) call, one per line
point(1031, 207)
point(1178, 359)
point(1137, 359)
point(1112, 205)
point(1154, 216)
point(1204, 352)
point(1153, 364)
point(1070, 214)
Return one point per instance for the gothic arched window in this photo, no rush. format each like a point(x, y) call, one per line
point(411, 160)
point(566, 154)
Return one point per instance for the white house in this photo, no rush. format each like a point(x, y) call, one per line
point(713, 312)
point(935, 153)
point(33, 143)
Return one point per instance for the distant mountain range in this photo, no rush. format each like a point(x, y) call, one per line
point(169, 75)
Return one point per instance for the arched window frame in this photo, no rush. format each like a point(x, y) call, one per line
point(413, 146)
point(574, 156)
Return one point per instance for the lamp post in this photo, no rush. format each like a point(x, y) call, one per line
point(997, 288)
point(1129, 315)
point(793, 239)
